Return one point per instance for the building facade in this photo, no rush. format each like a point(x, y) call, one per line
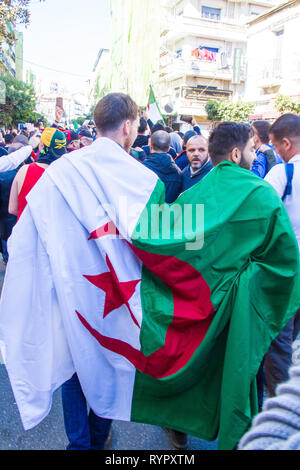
point(203, 53)
point(11, 56)
point(273, 54)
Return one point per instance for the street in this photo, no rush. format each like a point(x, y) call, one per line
point(50, 434)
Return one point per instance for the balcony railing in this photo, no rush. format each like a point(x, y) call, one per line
point(194, 67)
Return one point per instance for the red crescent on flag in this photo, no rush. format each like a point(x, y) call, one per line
point(192, 316)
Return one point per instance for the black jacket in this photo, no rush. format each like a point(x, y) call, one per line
point(163, 165)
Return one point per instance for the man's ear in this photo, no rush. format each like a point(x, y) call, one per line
point(126, 127)
point(235, 155)
point(288, 144)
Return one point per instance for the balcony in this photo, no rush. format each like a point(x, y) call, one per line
point(176, 28)
point(177, 67)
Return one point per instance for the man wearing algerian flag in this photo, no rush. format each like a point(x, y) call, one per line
point(153, 111)
point(164, 319)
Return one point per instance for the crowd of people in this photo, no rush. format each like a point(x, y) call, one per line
point(269, 151)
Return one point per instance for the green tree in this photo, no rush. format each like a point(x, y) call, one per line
point(11, 13)
point(286, 104)
point(224, 110)
point(19, 104)
point(212, 110)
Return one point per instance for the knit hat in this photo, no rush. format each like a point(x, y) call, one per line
point(188, 135)
point(71, 135)
point(83, 132)
point(54, 141)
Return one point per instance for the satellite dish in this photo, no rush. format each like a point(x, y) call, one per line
point(168, 108)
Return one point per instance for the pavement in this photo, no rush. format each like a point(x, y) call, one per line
point(50, 433)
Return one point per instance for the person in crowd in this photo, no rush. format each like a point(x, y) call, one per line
point(163, 165)
point(53, 146)
point(154, 128)
point(8, 139)
point(158, 127)
point(17, 153)
point(40, 124)
point(199, 161)
point(176, 142)
point(168, 129)
point(116, 118)
point(3, 151)
point(266, 158)
point(9, 165)
point(285, 136)
point(142, 139)
point(73, 140)
point(85, 136)
point(181, 158)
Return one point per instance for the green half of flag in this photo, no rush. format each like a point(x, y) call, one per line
point(230, 298)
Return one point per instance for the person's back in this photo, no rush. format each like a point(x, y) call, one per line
point(285, 178)
point(27, 178)
point(163, 165)
point(287, 127)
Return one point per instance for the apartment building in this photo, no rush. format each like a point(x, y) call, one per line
point(273, 58)
point(203, 52)
point(11, 56)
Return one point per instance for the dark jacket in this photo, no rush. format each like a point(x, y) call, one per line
point(7, 220)
point(163, 165)
point(141, 141)
point(189, 179)
point(182, 160)
point(171, 151)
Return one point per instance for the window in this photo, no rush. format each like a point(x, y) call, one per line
point(211, 13)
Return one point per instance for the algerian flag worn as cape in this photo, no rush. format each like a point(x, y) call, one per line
point(160, 328)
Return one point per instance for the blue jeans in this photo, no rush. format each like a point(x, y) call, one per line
point(85, 431)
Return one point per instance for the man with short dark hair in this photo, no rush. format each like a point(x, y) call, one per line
point(163, 165)
point(265, 155)
point(232, 142)
point(141, 139)
point(199, 161)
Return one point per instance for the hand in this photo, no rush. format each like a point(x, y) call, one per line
point(194, 122)
point(264, 148)
point(58, 113)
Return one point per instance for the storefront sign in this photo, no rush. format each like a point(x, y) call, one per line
point(202, 93)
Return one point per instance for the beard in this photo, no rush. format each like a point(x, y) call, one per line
point(244, 163)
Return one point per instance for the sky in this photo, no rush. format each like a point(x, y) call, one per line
point(66, 36)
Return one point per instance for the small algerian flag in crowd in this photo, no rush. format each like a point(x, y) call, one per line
point(160, 325)
point(153, 110)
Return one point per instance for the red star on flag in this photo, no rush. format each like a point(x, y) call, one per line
point(117, 293)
